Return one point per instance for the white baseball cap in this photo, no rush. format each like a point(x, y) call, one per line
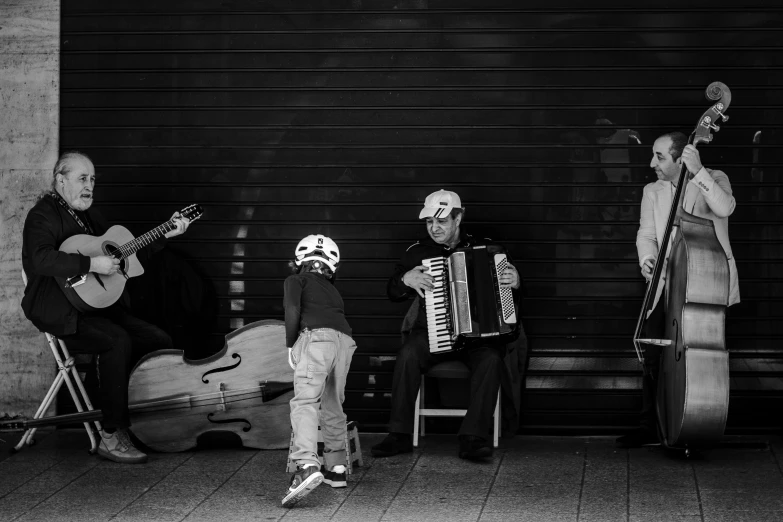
point(439, 204)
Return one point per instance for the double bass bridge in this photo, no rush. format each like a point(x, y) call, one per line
point(221, 406)
point(656, 342)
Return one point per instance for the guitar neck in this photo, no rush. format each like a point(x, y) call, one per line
point(131, 247)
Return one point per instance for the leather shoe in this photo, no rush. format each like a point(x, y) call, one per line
point(638, 438)
point(117, 446)
point(393, 444)
point(474, 448)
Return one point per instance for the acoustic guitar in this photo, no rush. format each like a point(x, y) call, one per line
point(92, 291)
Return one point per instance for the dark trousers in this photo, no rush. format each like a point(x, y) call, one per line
point(414, 358)
point(120, 340)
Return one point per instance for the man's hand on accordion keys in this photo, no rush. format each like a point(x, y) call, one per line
point(418, 279)
point(509, 277)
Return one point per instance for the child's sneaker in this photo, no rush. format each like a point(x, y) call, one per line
point(337, 477)
point(303, 481)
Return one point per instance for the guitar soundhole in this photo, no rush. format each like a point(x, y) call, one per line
point(113, 250)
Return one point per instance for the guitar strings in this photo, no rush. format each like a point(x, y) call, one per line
point(131, 247)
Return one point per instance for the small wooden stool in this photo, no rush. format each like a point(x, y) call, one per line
point(353, 450)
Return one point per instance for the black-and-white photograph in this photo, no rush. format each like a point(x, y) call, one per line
point(391, 260)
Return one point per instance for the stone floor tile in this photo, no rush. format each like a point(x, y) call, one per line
point(433, 510)
point(181, 498)
point(540, 499)
point(674, 504)
point(450, 458)
point(522, 515)
point(14, 505)
point(671, 487)
point(15, 474)
point(466, 480)
point(146, 513)
point(744, 516)
point(762, 499)
point(605, 488)
point(663, 517)
point(93, 506)
point(441, 491)
point(605, 515)
point(763, 463)
point(550, 491)
point(595, 501)
point(593, 473)
point(750, 480)
point(659, 471)
point(237, 509)
point(526, 476)
point(376, 488)
point(358, 508)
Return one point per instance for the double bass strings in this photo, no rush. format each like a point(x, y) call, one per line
point(194, 401)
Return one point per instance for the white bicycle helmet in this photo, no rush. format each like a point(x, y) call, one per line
point(318, 248)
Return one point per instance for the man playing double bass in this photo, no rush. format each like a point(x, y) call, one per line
point(117, 337)
point(708, 195)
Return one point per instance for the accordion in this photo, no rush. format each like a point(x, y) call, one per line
point(467, 306)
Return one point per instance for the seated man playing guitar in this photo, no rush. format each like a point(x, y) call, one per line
point(118, 338)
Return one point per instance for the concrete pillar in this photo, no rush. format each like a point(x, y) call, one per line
point(29, 137)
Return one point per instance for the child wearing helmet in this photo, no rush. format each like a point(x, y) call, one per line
point(320, 349)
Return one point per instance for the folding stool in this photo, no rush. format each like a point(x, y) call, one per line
point(447, 370)
point(66, 372)
point(353, 450)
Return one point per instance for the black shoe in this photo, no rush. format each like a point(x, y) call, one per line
point(393, 444)
point(638, 438)
point(474, 448)
point(337, 477)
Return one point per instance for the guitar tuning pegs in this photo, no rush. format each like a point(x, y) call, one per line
point(714, 127)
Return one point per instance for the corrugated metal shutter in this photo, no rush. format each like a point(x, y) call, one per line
point(289, 118)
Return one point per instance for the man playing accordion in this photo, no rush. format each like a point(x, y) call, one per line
point(443, 213)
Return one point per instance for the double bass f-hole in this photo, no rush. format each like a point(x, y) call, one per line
point(678, 348)
point(223, 369)
point(245, 428)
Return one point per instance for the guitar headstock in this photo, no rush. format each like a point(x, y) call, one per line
point(192, 212)
point(721, 95)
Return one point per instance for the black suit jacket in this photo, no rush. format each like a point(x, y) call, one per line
point(46, 227)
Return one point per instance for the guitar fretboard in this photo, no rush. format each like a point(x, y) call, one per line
point(131, 247)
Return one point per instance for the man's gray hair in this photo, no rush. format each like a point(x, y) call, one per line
point(63, 165)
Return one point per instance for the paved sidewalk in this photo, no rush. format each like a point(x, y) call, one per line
point(538, 479)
